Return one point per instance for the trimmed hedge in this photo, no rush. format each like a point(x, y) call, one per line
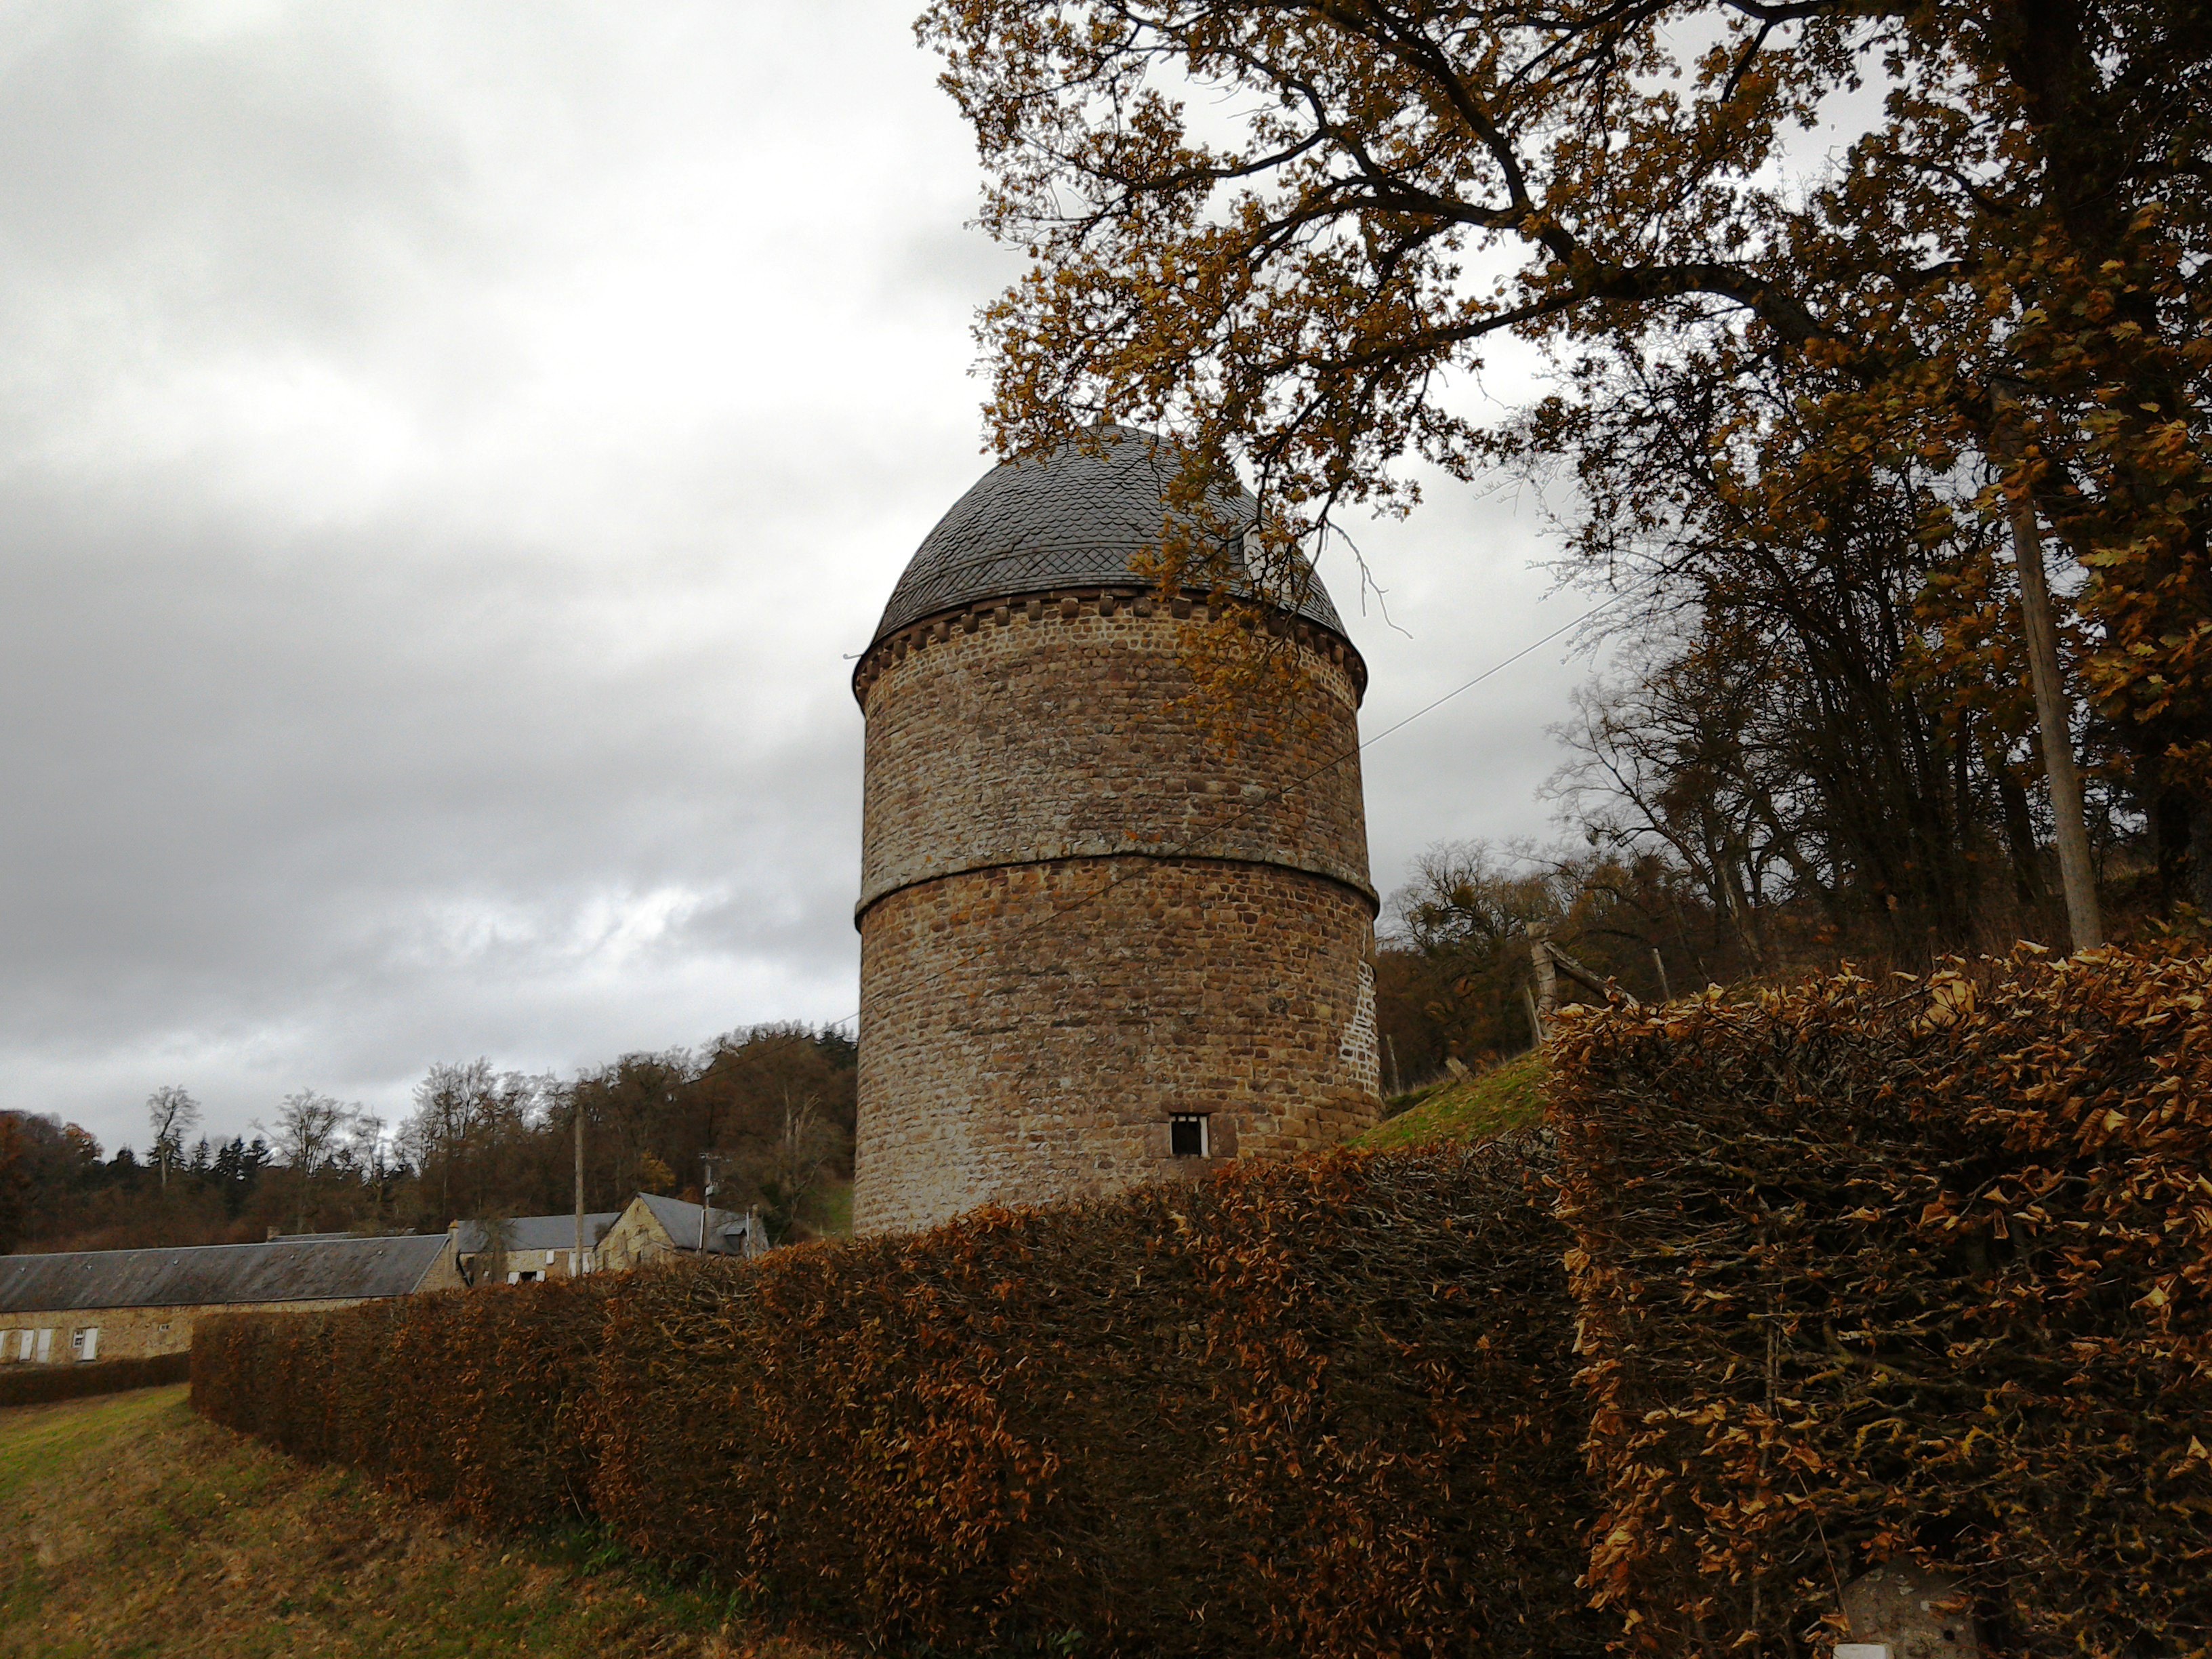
point(1914, 1268)
point(1321, 1409)
point(1324, 1409)
point(36, 1385)
point(481, 1400)
point(1854, 1272)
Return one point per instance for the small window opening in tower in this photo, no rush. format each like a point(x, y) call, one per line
point(1187, 1135)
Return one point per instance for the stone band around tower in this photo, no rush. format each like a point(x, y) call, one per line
point(1005, 1062)
point(1068, 727)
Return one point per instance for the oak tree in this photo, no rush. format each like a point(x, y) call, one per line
point(1293, 231)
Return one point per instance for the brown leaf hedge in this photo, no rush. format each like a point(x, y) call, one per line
point(1854, 1272)
point(1324, 1409)
point(1913, 1269)
point(37, 1385)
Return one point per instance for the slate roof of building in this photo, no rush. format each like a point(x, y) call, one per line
point(1075, 518)
point(283, 1270)
point(681, 1223)
point(540, 1232)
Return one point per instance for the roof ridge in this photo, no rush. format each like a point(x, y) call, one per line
point(251, 1271)
point(295, 1239)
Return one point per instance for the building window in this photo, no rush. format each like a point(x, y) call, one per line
point(1187, 1135)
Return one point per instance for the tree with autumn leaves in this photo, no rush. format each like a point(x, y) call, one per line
point(1857, 237)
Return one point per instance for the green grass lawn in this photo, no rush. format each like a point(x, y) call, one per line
point(1507, 1097)
point(129, 1527)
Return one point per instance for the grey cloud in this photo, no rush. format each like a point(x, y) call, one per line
point(950, 264)
point(183, 187)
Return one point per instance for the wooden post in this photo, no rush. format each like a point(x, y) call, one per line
point(2053, 715)
point(707, 1191)
point(1549, 963)
point(1548, 976)
point(1660, 963)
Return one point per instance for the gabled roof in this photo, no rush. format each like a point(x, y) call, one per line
point(539, 1232)
point(680, 1221)
point(283, 1270)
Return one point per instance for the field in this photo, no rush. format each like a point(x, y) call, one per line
point(1506, 1097)
point(129, 1527)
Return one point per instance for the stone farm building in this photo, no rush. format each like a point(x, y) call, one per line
point(537, 1247)
point(651, 1228)
point(131, 1305)
point(648, 1229)
point(1114, 927)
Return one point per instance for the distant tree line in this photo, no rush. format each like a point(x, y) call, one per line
point(772, 1105)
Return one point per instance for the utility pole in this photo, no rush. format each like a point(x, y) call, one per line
point(2052, 716)
point(576, 1262)
point(707, 1191)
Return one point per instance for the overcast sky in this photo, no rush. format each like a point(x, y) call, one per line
point(448, 455)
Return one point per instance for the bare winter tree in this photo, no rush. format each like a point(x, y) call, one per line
point(172, 1114)
point(368, 1157)
point(451, 1114)
point(311, 1129)
point(495, 1243)
point(789, 1172)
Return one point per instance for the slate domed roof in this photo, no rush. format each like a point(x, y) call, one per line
point(1071, 519)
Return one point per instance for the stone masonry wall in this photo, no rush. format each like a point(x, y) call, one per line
point(142, 1333)
point(636, 1240)
point(1026, 1032)
point(130, 1332)
point(1058, 728)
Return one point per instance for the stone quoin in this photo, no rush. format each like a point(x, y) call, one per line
point(1100, 944)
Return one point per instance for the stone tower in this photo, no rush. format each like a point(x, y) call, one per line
point(1098, 946)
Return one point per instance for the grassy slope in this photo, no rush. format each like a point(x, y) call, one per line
point(1506, 1097)
point(129, 1527)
